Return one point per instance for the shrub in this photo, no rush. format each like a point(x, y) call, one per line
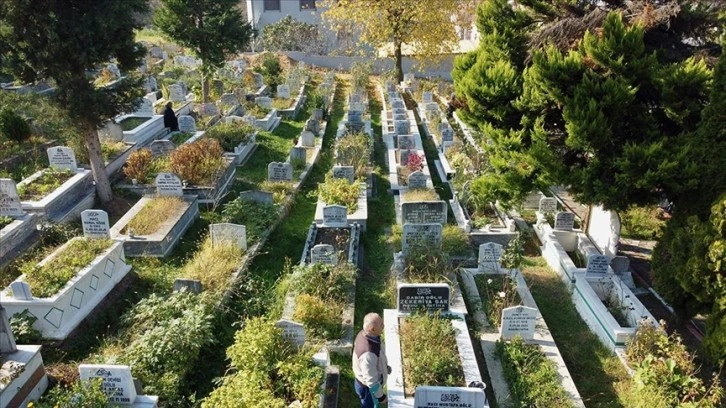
point(324, 281)
point(48, 182)
point(321, 318)
point(315, 100)
point(339, 191)
point(21, 325)
point(47, 280)
point(454, 241)
point(5, 221)
point(642, 222)
point(231, 135)
point(430, 354)
point(111, 149)
point(90, 395)
point(270, 69)
point(424, 264)
point(255, 216)
point(359, 72)
point(198, 163)
point(497, 293)
point(154, 214)
point(419, 194)
point(532, 378)
point(354, 149)
point(213, 265)
point(279, 189)
point(138, 165)
point(13, 127)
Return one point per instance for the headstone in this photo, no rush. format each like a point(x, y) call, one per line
point(397, 104)
point(324, 254)
point(346, 172)
point(9, 199)
point(307, 139)
point(620, 264)
point(518, 321)
point(229, 99)
point(597, 265)
point(489, 255)
point(433, 396)
point(399, 116)
point(356, 98)
point(208, 109)
point(169, 185)
point(403, 156)
point(547, 205)
point(187, 124)
point(424, 212)
point(263, 197)
point(431, 297)
point(400, 111)
point(145, 109)
point(406, 142)
point(428, 97)
point(176, 93)
point(431, 107)
point(403, 127)
point(155, 52)
point(150, 84)
point(417, 179)
point(111, 131)
point(277, 171)
point(447, 132)
point(283, 91)
point(191, 285)
point(226, 232)
point(161, 147)
point(259, 80)
point(116, 381)
point(62, 158)
point(335, 216)
point(408, 77)
point(292, 331)
point(95, 224)
point(564, 221)
point(218, 86)
point(264, 102)
point(113, 69)
point(355, 117)
point(427, 235)
point(7, 340)
point(298, 153)
point(21, 290)
point(312, 125)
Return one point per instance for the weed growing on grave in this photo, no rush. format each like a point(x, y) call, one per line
point(328, 282)
point(231, 135)
point(138, 165)
point(256, 217)
point(354, 149)
point(21, 325)
point(430, 354)
point(425, 264)
point(339, 191)
point(5, 221)
point(154, 214)
point(111, 149)
point(320, 318)
point(47, 280)
point(419, 194)
point(279, 189)
point(454, 241)
point(282, 103)
point(90, 395)
point(198, 163)
point(213, 265)
point(178, 138)
point(48, 182)
point(497, 293)
point(532, 378)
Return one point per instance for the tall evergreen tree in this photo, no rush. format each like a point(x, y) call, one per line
point(62, 40)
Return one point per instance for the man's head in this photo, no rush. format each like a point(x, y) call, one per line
point(373, 324)
point(169, 104)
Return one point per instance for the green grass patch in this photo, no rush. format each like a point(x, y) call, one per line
point(178, 138)
point(213, 265)
point(497, 292)
point(642, 223)
point(132, 123)
point(48, 182)
point(154, 214)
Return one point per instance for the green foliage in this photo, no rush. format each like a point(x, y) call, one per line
point(270, 69)
point(289, 34)
point(155, 213)
point(48, 182)
point(425, 264)
point(90, 395)
point(256, 217)
point(642, 222)
point(497, 292)
point(12, 126)
point(231, 135)
point(199, 163)
point(321, 318)
point(45, 281)
point(315, 100)
point(513, 254)
point(5, 221)
point(328, 282)
point(354, 149)
point(454, 241)
point(359, 72)
point(21, 324)
point(339, 191)
point(430, 354)
point(665, 369)
point(279, 189)
point(532, 377)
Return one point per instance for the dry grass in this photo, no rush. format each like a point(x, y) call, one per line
point(154, 214)
point(419, 194)
point(213, 265)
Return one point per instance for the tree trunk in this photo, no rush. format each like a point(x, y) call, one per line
point(93, 146)
point(205, 88)
point(399, 60)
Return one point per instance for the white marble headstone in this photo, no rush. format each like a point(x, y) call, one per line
point(346, 172)
point(335, 216)
point(324, 254)
point(176, 93)
point(428, 235)
point(277, 171)
point(427, 97)
point(307, 139)
point(117, 382)
point(518, 320)
point(62, 158)
point(9, 199)
point(95, 224)
point(597, 265)
point(564, 221)
point(187, 124)
point(169, 184)
point(283, 91)
point(226, 232)
point(434, 396)
point(417, 179)
point(292, 331)
point(145, 109)
point(264, 101)
point(547, 205)
point(489, 255)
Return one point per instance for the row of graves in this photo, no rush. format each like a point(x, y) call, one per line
point(292, 92)
point(488, 224)
point(602, 288)
point(357, 117)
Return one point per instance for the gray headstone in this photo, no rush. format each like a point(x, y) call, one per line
point(355, 117)
point(9, 199)
point(208, 109)
point(191, 285)
point(397, 104)
point(324, 254)
point(307, 139)
point(547, 205)
point(257, 196)
point(427, 97)
point(111, 131)
point(117, 382)
point(403, 156)
point(283, 91)
point(417, 179)
point(187, 124)
point(161, 147)
point(259, 80)
point(597, 265)
point(169, 184)
point(403, 127)
point(264, 101)
point(346, 172)
point(428, 235)
point(155, 52)
point(408, 77)
point(113, 69)
point(95, 224)
point(356, 98)
point(145, 109)
point(489, 255)
point(424, 212)
point(21, 290)
point(431, 297)
point(62, 158)
point(7, 340)
point(433, 396)
point(564, 221)
point(298, 153)
point(335, 216)
point(406, 142)
point(312, 125)
point(620, 264)
point(176, 93)
point(150, 84)
point(518, 320)
point(447, 132)
point(229, 99)
point(399, 116)
point(293, 331)
point(226, 232)
point(431, 107)
point(277, 171)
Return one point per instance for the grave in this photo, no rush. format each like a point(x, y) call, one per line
point(406, 142)
point(427, 97)
point(518, 321)
point(335, 216)
point(208, 109)
point(417, 179)
point(307, 139)
point(145, 109)
point(564, 221)
point(263, 197)
point(277, 171)
point(111, 131)
point(547, 205)
point(597, 265)
point(403, 156)
point(218, 86)
point(187, 124)
point(283, 91)
point(168, 184)
point(403, 127)
point(191, 285)
point(117, 383)
point(229, 99)
point(489, 255)
point(324, 254)
point(423, 212)
point(312, 125)
point(450, 397)
point(176, 93)
point(447, 133)
point(227, 232)
point(264, 102)
point(95, 224)
point(298, 153)
point(431, 297)
point(424, 235)
point(62, 158)
point(161, 147)
point(293, 331)
point(9, 199)
point(345, 172)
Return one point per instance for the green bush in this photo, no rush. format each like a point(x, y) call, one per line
point(5, 221)
point(79, 395)
point(13, 127)
point(256, 217)
point(454, 241)
point(321, 318)
point(324, 281)
point(532, 378)
point(271, 70)
point(354, 149)
point(231, 135)
point(339, 191)
point(315, 100)
point(642, 223)
point(21, 325)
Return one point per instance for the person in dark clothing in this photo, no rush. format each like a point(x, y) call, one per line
point(170, 120)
